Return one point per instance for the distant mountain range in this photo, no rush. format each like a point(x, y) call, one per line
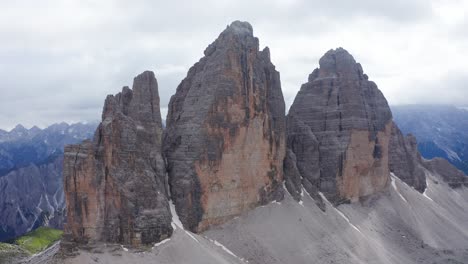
point(31, 188)
point(21, 147)
point(441, 131)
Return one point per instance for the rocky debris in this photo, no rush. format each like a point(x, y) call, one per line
point(116, 184)
point(351, 121)
point(405, 161)
point(225, 136)
point(454, 177)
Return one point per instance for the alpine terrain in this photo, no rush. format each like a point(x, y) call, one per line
point(232, 178)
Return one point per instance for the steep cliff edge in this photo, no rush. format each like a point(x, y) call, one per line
point(225, 136)
point(115, 185)
point(405, 161)
point(351, 122)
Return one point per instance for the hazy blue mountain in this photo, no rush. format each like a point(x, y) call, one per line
point(21, 147)
point(441, 131)
point(31, 185)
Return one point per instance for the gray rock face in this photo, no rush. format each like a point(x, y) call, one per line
point(449, 173)
point(405, 160)
point(225, 136)
point(301, 164)
point(115, 185)
point(351, 121)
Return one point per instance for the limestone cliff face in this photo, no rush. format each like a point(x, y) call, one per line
point(405, 161)
point(351, 122)
point(115, 185)
point(225, 136)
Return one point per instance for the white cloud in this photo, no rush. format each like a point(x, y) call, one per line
point(58, 59)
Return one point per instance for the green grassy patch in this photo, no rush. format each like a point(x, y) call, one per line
point(39, 239)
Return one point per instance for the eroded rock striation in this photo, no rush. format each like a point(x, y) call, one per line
point(405, 161)
point(225, 136)
point(115, 185)
point(30, 197)
point(339, 131)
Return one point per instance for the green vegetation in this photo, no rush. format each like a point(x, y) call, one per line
point(39, 239)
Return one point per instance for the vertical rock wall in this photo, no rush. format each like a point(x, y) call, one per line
point(405, 160)
point(225, 137)
point(115, 185)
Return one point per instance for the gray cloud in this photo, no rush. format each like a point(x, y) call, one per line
point(59, 59)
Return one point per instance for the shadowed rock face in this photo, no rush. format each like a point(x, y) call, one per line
point(115, 185)
point(405, 160)
point(351, 122)
point(225, 137)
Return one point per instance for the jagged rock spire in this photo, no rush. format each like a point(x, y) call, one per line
point(115, 185)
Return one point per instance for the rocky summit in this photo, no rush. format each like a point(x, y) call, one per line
point(225, 136)
point(115, 185)
point(346, 123)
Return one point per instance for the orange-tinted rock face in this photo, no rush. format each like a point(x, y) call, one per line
point(80, 191)
point(115, 186)
point(364, 174)
point(225, 132)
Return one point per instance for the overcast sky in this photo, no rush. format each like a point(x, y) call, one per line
point(59, 59)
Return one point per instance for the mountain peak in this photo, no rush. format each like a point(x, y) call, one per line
point(239, 28)
point(237, 35)
point(338, 63)
point(19, 128)
point(35, 129)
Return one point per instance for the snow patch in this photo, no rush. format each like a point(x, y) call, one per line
point(161, 243)
point(124, 248)
point(175, 218)
point(396, 189)
point(425, 191)
point(340, 213)
point(305, 191)
point(227, 250)
point(177, 223)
